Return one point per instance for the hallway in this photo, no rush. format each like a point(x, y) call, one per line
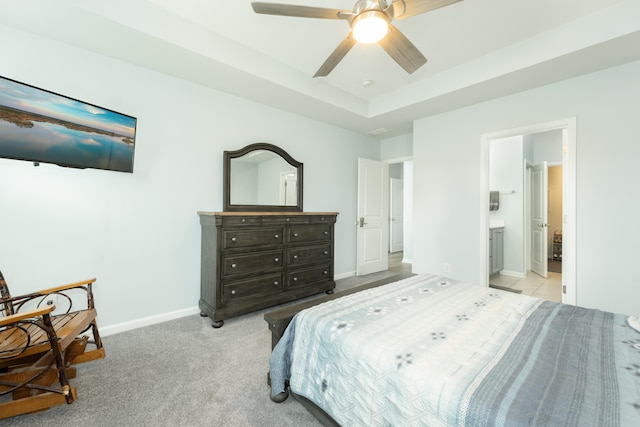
point(396, 265)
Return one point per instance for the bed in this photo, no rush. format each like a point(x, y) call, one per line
point(428, 350)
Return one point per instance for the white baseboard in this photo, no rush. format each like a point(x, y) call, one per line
point(147, 321)
point(512, 274)
point(344, 275)
point(152, 320)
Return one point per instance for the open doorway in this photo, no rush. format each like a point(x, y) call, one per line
point(519, 178)
point(400, 214)
point(554, 241)
point(523, 217)
point(396, 208)
point(514, 196)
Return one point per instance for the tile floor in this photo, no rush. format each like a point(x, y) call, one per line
point(534, 285)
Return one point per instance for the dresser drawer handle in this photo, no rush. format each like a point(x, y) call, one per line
point(295, 257)
point(233, 239)
point(244, 220)
point(276, 283)
point(325, 272)
point(233, 265)
point(326, 252)
point(233, 292)
point(295, 234)
point(277, 236)
point(326, 233)
point(276, 259)
point(295, 279)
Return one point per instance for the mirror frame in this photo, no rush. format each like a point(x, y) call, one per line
point(229, 155)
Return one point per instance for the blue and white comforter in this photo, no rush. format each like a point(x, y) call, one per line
point(427, 351)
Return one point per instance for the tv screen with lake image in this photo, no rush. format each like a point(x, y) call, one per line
point(40, 126)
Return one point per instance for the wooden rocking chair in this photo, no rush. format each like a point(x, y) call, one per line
point(34, 386)
point(38, 346)
point(63, 298)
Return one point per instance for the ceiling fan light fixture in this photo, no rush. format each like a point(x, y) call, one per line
point(370, 26)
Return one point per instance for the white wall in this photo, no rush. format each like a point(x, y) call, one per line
point(506, 175)
point(139, 233)
point(396, 170)
point(242, 185)
point(407, 236)
point(547, 147)
point(396, 148)
point(447, 164)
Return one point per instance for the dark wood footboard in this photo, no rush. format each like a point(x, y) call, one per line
point(278, 320)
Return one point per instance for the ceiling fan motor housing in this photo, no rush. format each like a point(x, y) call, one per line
point(363, 6)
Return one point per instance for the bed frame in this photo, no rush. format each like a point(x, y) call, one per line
point(278, 320)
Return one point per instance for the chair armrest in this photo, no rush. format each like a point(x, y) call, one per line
point(85, 285)
point(65, 287)
point(14, 318)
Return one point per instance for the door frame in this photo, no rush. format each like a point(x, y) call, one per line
point(569, 206)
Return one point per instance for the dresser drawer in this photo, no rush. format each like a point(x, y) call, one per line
point(251, 237)
point(320, 219)
point(309, 254)
point(252, 262)
point(252, 288)
point(234, 221)
point(310, 233)
point(303, 277)
point(277, 220)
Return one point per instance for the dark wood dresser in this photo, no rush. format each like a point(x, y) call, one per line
point(253, 260)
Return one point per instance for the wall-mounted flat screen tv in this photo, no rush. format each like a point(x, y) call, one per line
point(43, 127)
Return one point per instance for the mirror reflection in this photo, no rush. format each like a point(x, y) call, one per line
point(262, 177)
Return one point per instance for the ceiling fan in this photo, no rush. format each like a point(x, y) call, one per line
point(370, 22)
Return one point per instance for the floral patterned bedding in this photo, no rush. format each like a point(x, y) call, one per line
point(429, 351)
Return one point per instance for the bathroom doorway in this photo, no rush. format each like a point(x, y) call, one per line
point(554, 142)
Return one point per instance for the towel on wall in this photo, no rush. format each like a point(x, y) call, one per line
point(494, 200)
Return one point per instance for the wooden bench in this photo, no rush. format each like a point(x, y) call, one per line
point(278, 320)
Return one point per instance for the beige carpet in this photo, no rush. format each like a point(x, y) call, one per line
point(182, 373)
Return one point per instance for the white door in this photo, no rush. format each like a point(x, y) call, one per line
point(373, 217)
point(539, 222)
point(397, 213)
point(288, 188)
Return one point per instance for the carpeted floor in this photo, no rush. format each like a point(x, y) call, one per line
point(181, 373)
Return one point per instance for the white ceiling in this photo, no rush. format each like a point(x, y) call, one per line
point(477, 50)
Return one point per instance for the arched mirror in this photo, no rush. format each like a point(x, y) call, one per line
point(262, 177)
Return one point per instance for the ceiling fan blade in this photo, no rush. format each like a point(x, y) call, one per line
point(336, 56)
point(297, 11)
point(416, 7)
point(402, 50)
